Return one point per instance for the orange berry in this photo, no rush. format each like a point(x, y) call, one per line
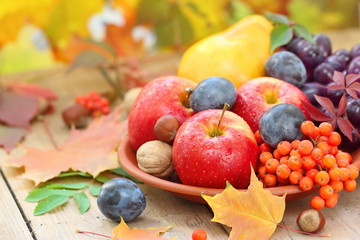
point(295, 144)
point(334, 139)
point(343, 155)
point(199, 234)
point(271, 165)
point(324, 146)
point(315, 134)
point(329, 161)
point(335, 173)
point(270, 180)
point(283, 181)
point(284, 160)
point(305, 147)
point(306, 183)
point(295, 152)
point(312, 173)
point(317, 154)
point(264, 147)
point(325, 129)
point(336, 185)
point(294, 162)
point(334, 150)
point(258, 138)
point(326, 191)
point(283, 171)
point(345, 174)
point(317, 202)
point(321, 139)
point(284, 147)
point(307, 162)
point(322, 178)
point(332, 201)
point(307, 127)
point(295, 177)
point(342, 162)
point(353, 172)
point(276, 154)
point(350, 185)
point(262, 171)
point(264, 156)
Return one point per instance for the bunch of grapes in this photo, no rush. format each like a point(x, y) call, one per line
point(313, 160)
point(320, 63)
point(94, 103)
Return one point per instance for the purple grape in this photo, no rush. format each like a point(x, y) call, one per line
point(353, 111)
point(323, 41)
point(336, 62)
point(354, 66)
point(334, 95)
point(323, 73)
point(312, 88)
point(291, 46)
point(344, 55)
point(355, 51)
point(310, 54)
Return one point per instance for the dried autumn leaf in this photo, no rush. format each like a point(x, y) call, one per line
point(123, 232)
point(253, 214)
point(91, 150)
point(10, 136)
point(32, 90)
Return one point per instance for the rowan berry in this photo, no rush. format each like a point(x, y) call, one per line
point(270, 180)
point(284, 147)
point(329, 161)
point(343, 155)
point(199, 234)
point(307, 127)
point(334, 150)
point(258, 138)
point(350, 185)
point(271, 165)
point(332, 201)
point(335, 173)
point(283, 171)
point(317, 154)
point(295, 177)
point(294, 162)
point(283, 181)
point(264, 156)
point(326, 191)
point(262, 171)
point(295, 152)
point(334, 139)
point(317, 202)
point(345, 174)
point(306, 183)
point(353, 172)
point(284, 160)
point(324, 146)
point(336, 185)
point(307, 162)
point(295, 144)
point(305, 147)
point(322, 178)
point(325, 129)
point(321, 139)
point(264, 147)
point(312, 173)
point(276, 154)
point(342, 163)
point(315, 134)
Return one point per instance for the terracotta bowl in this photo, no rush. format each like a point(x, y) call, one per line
point(127, 159)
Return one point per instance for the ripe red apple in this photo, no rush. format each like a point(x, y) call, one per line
point(163, 96)
point(258, 95)
point(206, 157)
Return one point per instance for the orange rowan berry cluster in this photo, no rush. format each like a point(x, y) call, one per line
point(94, 103)
point(315, 159)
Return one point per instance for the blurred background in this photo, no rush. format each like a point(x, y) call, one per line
point(39, 34)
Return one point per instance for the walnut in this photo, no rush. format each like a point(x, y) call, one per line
point(155, 158)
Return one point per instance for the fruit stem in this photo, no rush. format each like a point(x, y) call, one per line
point(217, 129)
point(307, 233)
point(98, 234)
point(186, 102)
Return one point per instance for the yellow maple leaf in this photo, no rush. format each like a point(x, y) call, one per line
point(123, 232)
point(253, 214)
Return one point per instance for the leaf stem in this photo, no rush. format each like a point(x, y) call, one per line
point(49, 133)
point(307, 233)
point(93, 233)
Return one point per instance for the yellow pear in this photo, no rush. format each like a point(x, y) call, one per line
point(238, 53)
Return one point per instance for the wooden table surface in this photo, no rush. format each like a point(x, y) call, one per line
point(18, 222)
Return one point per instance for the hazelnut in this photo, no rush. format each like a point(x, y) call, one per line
point(310, 220)
point(76, 115)
point(155, 158)
point(166, 127)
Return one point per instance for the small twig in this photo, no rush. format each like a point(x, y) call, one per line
point(108, 79)
point(98, 234)
point(50, 135)
point(307, 233)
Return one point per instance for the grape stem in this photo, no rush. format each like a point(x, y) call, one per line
point(307, 233)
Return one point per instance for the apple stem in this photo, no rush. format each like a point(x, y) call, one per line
point(217, 129)
point(93, 233)
point(186, 102)
point(307, 233)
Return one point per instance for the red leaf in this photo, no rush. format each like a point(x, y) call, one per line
point(335, 87)
point(355, 86)
point(326, 103)
point(352, 93)
point(339, 78)
point(31, 90)
point(345, 127)
point(351, 78)
point(17, 110)
point(10, 136)
point(342, 106)
point(315, 113)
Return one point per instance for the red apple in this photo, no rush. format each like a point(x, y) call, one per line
point(163, 96)
point(258, 95)
point(206, 157)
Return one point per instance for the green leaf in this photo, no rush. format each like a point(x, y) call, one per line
point(39, 194)
point(94, 190)
point(303, 32)
point(103, 45)
point(87, 58)
point(277, 18)
point(49, 204)
point(280, 35)
point(82, 201)
point(102, 178)
point(76, 186)
point(120, 171)
point(73, 174)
